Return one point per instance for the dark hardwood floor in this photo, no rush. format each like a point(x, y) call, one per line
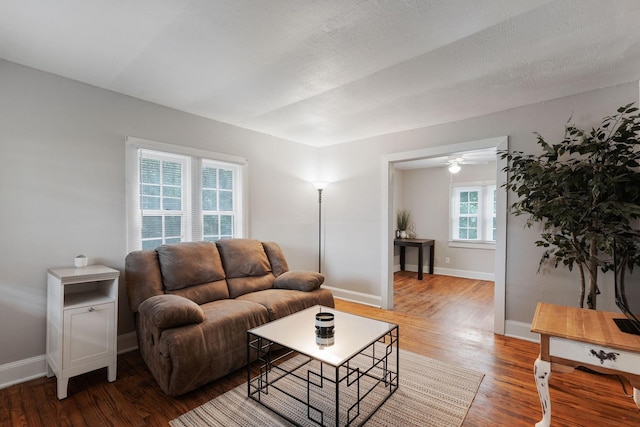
point(446, 318)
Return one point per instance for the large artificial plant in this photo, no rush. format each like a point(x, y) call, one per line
point(585, 192)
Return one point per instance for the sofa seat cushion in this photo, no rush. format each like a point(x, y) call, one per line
point(205, 292)
point(211, 349)
point(283, 302)
point(244, 285)
point(299, 280)
point(170, 311)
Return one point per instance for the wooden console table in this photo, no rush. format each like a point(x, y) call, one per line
point(420, 244)
point(571, 337)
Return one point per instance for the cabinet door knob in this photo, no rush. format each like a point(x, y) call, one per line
point(92, 309)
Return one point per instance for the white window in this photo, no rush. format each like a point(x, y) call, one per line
point(218, 200)
point(473, 213)
point(164, 198)
point(177, 194)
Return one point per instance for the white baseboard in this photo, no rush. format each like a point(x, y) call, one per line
point(376, 301)
point(372, 300)
point(36, 367)
point(127, 342)
point(466, 274)
point(22, 370)
point(520, 330)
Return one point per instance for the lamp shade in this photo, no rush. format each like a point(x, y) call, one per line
point(320, 185)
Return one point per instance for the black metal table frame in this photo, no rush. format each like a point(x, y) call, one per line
point(350, 376)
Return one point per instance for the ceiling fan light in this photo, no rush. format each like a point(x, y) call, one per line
point(454, 167)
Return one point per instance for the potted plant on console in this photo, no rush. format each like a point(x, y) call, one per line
point(403, 218)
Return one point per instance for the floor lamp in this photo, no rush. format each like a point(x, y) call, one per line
point(320, 185)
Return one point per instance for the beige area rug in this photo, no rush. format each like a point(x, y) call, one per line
point(431, 393)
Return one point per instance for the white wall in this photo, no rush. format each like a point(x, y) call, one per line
point(62, 183)
point(356, 201)
point(426, 193)
point(62, 177)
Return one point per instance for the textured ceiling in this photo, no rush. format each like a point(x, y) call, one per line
point(329, 71)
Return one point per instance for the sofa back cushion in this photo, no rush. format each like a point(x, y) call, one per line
point(243, 257)
point(190, 263)
point(142, 276)
point(276, 258)
point(193, 270)
point(246, 266)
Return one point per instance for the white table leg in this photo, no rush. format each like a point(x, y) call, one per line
point(63, 384)
point(112, 371)
point(636, 396)
point(542, 373)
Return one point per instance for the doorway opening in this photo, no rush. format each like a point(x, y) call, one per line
point(388, 228)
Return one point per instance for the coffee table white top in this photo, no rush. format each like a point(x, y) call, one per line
point(297, 331)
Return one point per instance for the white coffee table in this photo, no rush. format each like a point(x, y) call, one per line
point(362, 358)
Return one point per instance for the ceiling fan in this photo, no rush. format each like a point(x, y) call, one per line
point(454, 164)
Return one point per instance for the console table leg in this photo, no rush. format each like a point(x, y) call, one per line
point(542, 373)
point(636, 396)
point(432, 248)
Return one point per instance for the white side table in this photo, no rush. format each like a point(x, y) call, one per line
point(82, 313)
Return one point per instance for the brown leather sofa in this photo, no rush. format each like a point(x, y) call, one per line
point(194, 302)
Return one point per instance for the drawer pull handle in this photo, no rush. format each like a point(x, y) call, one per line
point(93, 309)
point(602, 355)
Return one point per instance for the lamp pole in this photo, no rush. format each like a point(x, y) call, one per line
point(319, 229)
point(320, 186)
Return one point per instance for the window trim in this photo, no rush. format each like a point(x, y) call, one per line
point(133, 221)
point(463, 243)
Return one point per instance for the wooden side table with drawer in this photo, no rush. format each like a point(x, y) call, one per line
point(572, 337)
point(82, 313)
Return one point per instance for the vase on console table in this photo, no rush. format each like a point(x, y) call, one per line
point(403, 234)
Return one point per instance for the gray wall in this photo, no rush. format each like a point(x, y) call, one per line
point(354, 207)
point(62, 174)
point(63, 180)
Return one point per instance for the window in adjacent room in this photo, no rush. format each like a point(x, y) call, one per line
point(177, 194)
point(473, 213)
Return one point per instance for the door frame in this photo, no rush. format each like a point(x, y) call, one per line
point(387, 232)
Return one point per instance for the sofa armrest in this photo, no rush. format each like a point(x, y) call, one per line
point(170, 311)
point(299, 280)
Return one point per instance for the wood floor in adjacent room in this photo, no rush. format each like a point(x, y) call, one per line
point(446, 318)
